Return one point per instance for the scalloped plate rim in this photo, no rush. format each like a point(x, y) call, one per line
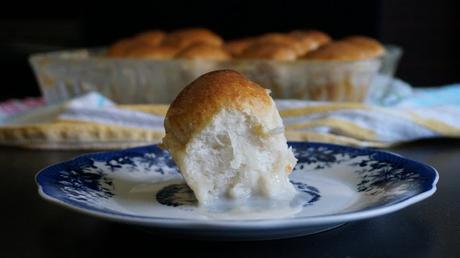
point(242, 224)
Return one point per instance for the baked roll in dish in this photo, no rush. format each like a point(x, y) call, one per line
point(237, 46)
point(186, 37)
point(310, 39)
point(151, 38)
point(272, 51)
point(123, 47)
point(119, 48)
point(227, 138)
point(348, 49)
point(339, 51)
point(281, 38)
point(369, 45)
point(204, 51)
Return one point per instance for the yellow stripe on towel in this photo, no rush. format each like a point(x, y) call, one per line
point(156, 109)
point(345, 127)
point(76, 132)
point(308, 110)
point(331, 138)
point(435, 125)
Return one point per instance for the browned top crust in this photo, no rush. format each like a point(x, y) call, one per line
point(310, 39)
point(201, 100)
point(281, 38)
point(186, 37)
point(274, 51)
point(152, 38)
point(118, 49)
point(203, 51)
point(319, 37)
point(344, 50)
point(237, 46)
point(370, 45)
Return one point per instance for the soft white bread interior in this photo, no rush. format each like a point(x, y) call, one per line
point(227, 138)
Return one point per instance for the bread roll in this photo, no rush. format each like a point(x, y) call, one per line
point(370, 45)
point(340, 51)
point(310, 39)
point(274, 51)
point(151, 38)
point(186, 37)
point(280, 38)
point(227, 138)
point(119, 48)
point(237, 46)
point(319, 37)
point(204, 51)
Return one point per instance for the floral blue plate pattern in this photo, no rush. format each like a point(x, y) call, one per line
point(142, 186)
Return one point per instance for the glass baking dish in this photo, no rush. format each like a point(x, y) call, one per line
point(66, 74)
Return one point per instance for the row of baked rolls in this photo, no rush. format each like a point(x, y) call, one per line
point(278, 46)
point(200, 43)
point(195, 43)
point(305, 45)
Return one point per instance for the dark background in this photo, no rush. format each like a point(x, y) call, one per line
point(427, 30)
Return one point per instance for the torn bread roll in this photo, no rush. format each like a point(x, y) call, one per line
point(227, 138)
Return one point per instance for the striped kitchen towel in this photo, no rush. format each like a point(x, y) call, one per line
point(94, 122)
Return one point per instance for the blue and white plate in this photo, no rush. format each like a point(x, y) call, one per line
point(142, 186)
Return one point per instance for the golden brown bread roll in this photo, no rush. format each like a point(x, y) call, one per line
point(203, 51)
point(237, 46)
point(195, 106)
point(370, 45)
point(123, 46)
point(281, 39)
point(274, 51)
point(310, 39)
point(151, 38)
point(340, 51)
point(319, 37)
point(186, 37)
point(118, 49)
point(226, 136)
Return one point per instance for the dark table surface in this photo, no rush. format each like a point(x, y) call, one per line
point(32, 227)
